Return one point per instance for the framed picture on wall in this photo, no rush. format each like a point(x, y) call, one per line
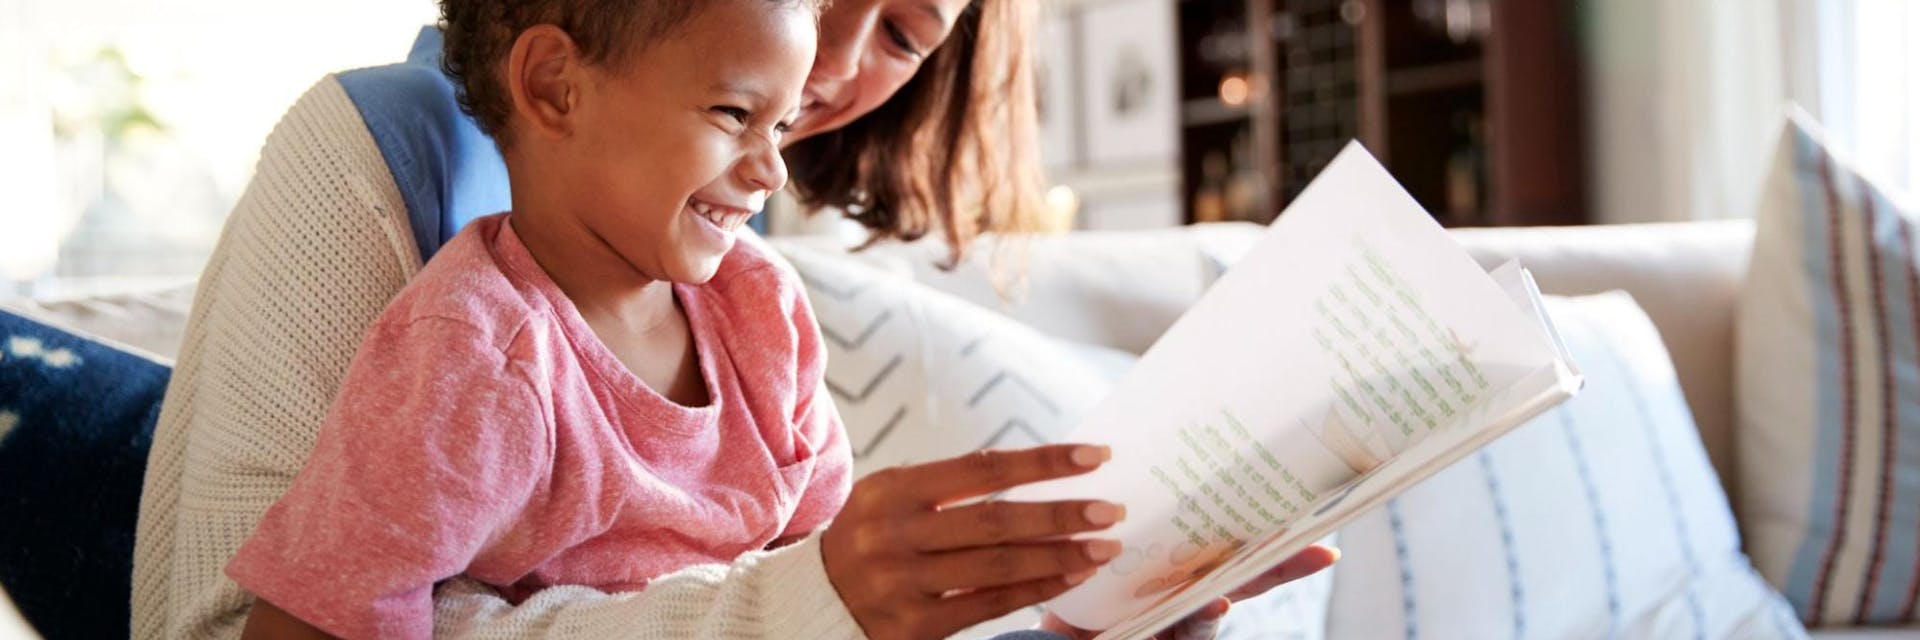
point(1055, 70)
point(1129, 82)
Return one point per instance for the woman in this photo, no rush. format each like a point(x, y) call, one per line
point(918, 118)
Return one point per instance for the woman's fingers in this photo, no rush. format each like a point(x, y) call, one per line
point(995, 522)
point(1308, 562)
point(1004, 565)
point(984, 472)
point(965, 610)
point(905, 567)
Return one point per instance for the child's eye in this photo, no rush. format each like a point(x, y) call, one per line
point(783, 127)
point(738, 114)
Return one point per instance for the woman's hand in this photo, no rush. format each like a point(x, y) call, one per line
point(909, 566)
point(1201, 625)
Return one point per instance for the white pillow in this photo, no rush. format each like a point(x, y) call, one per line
point(1828, 389)
point(1602, 518)
point(920, 375)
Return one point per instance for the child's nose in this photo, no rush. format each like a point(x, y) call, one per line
point(764, 169)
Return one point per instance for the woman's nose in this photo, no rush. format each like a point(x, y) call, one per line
point(843, 35)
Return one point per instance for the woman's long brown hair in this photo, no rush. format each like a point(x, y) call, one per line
point(955, 149)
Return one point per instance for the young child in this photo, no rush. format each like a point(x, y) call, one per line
point(601, 387)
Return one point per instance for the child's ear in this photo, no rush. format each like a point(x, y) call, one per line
point(543, 76)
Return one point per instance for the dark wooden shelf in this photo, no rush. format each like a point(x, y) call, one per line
point(1202, 112)
point(1484, 127)
point(1434, 77)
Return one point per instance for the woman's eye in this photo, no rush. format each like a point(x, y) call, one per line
point(900, 40)
point(738, 114)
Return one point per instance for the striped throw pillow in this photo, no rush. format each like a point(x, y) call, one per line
point(1600, 519)
point(1828, 389)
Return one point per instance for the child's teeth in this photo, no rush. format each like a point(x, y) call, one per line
point(726, 219)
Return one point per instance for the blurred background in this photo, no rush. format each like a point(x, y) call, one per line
point(129, 127)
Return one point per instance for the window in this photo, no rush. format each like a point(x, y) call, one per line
point(131, 126)
point(1867, 84)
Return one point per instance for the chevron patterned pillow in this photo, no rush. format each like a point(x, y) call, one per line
point(920, 375)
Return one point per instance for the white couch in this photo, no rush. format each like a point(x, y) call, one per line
point(1122, 289)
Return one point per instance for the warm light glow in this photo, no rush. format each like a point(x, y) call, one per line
point(1234, 90)
point(1064, 203)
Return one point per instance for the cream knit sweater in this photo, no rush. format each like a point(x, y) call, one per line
point(314, 250)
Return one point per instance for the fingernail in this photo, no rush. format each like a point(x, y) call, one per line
point(1077, 578)
point(1090, 455)
point(1101, 513)
point(1102, 550)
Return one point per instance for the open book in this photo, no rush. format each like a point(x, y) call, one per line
point(1354, 351)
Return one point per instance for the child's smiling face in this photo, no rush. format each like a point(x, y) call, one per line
point(677, 145)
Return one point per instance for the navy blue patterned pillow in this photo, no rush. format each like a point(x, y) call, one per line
point(76, 420)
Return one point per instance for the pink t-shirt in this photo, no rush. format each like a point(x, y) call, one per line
point(483, 430)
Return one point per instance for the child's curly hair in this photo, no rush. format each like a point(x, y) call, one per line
point(479, 33)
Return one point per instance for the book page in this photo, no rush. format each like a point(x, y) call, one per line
point(1519, 403)
point(1525, 400)
point(1350, 333)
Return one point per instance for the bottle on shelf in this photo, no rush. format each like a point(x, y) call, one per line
point(1244, 187)
point(1209, 201)
point(1466, 180)
point(1461, 21)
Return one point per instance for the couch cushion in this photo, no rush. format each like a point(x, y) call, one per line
point(1829, 389)
point(1685, 276)
point(76, 419)
point(1599, 519)
point(151, 320)
point(1120, 289)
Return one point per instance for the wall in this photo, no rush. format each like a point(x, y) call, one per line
point(1124, 171)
